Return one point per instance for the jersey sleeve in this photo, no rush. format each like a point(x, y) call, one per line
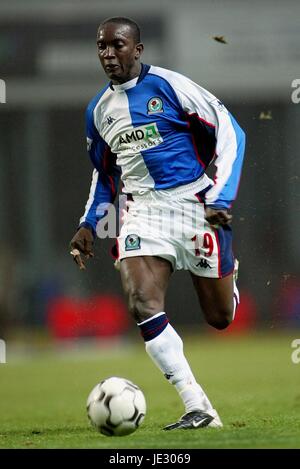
point(105, 177)
point(225, 145)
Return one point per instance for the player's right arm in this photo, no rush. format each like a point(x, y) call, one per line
point(103, 190)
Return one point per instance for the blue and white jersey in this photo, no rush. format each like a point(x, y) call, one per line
point(158, 131)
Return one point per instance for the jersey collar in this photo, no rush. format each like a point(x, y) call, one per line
point(131, 83)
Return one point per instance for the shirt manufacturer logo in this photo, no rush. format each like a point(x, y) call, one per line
point(110, 120)
point(203, 264)
point(219, 105)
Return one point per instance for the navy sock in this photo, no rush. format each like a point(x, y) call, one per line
point(152, 327)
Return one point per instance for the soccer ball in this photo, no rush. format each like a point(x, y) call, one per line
point(116, 407)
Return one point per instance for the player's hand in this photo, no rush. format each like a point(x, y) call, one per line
point(82, 245)
point(217, 217)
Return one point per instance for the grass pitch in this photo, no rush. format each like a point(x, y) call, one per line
point(251, 380)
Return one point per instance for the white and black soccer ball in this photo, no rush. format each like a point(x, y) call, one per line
point(116, 407)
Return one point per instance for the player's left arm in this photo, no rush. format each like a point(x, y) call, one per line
point(229, 147)
point(229, 155)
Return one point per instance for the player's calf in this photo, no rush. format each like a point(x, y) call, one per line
point(218, 299)
point(145, 280)
point(220, 319)
point(140, 306)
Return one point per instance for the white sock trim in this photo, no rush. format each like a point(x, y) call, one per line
point(150, 319)
point(236, 299)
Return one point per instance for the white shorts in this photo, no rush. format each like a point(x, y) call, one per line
point(170, 224)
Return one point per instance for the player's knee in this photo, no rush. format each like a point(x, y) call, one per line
point(220, 323)
point(141, 307)
point(220, 320)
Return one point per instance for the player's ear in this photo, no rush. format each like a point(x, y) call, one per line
point(139, 50)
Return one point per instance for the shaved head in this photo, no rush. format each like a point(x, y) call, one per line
point(119, 49)
point(135, 30)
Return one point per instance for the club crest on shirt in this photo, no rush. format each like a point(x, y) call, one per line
point(132, 242)
point(155, 105)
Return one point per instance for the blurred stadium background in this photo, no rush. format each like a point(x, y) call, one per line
point(49, 63)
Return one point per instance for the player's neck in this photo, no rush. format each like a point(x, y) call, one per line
point(134, 73)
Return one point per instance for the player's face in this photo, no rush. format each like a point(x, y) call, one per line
point(118, 53)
